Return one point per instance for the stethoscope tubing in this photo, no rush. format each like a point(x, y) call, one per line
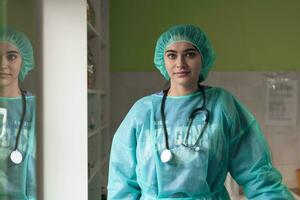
point(22, 119)
point(191, 118)
point(16, 156)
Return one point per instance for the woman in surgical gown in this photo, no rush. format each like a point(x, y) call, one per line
point(17, 173)
point(223, 136)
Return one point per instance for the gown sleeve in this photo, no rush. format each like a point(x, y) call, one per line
point(122, 181)
point(249, 157)
point(31, 165)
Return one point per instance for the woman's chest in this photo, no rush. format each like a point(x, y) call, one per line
point(191, 141)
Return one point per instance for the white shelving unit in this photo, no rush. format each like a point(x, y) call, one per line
point(98, 101)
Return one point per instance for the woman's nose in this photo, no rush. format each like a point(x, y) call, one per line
point(180, 62)
point(3, 63)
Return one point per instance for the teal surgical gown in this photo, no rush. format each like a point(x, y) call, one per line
point(231, 142)
point(17, 181)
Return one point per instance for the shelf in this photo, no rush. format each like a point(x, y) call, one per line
point(103, 127)
point(96, 131)
point(103, 93)
point(95, 170)
point(93, 132)
point(95, 92)
point(92, 32)
point(98, 97)
point(103, 161)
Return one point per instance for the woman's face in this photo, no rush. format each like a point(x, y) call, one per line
point(183, 63)
point(10, 65)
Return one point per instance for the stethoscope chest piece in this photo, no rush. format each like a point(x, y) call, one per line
point(16, 157)
point(166, 156)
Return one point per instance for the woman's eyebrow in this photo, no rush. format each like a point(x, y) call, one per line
point(12, 51)
point(186, 50)
point(190, 49)
point(173, 51)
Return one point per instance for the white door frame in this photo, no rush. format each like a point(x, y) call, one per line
point(62, 100)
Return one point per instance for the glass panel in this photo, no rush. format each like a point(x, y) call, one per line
point(17, 100)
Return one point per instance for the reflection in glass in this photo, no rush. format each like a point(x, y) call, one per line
point(17, 117)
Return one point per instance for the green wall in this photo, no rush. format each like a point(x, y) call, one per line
point(19, 14)
point(246, 35)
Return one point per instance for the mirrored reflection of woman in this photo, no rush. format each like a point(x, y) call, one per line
point(17, 118)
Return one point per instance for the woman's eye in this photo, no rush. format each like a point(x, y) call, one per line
point(171, 56)
point(11, 57)
point(190, 55)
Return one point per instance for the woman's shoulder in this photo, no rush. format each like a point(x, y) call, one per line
point(228, 103)
point(30, 96)
point(28, 93)
point(222, 99)
point(148, 100)
point(218, 92)
point(142, 107)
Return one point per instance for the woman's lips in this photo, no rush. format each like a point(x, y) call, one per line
point(182, 74)
point(4, 74)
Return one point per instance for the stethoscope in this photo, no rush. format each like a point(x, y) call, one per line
point(16, 156)
point(166, 155)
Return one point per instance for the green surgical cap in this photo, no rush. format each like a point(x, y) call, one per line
point(22, 43)
point(184, 33)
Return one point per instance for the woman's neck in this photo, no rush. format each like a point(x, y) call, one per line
point(182, 90)
point(10, 91)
